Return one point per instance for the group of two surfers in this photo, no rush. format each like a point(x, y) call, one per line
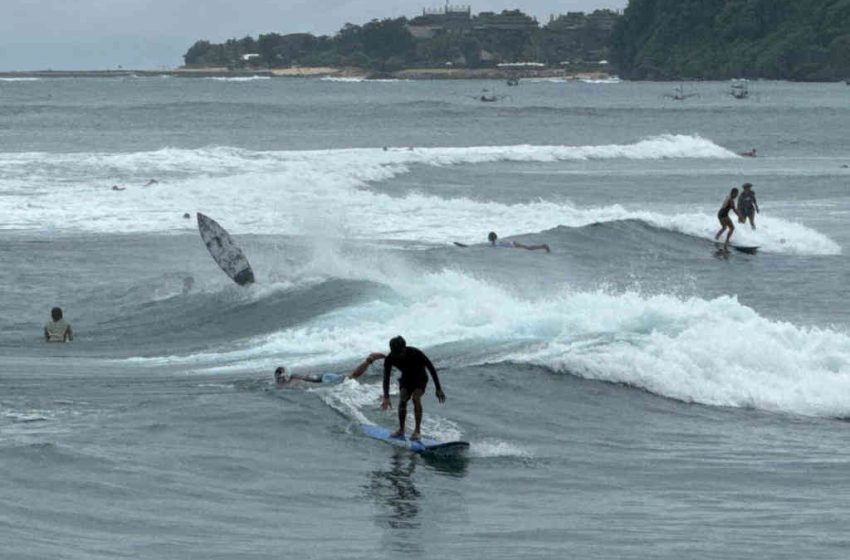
point(412, 363)
point(747, 208)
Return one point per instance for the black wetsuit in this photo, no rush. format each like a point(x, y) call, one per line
point(412, 365)
point(746, 203)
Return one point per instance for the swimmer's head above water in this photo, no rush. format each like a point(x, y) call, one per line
point(280, 376)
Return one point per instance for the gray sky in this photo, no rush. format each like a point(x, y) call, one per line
point(96, 34)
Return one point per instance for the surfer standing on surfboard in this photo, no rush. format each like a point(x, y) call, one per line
point(412, 363)
point(283, 378)
point(723, 216)
point(747, 205)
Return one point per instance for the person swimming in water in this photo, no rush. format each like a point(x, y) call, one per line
point(494, 242)
point(748, 207)
point(412, 363)
point(723, 216)
point(281, 377)
point(751, 153)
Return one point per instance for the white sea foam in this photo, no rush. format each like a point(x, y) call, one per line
point(282, 190)
point(20, 79)
point(490, 448)
point(715, 352)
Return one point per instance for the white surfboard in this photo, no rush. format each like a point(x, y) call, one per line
point(224, 251)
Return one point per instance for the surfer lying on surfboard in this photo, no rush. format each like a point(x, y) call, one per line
point(494, 242)
point(281, 377)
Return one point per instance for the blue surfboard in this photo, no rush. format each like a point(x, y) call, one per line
point(424, 445)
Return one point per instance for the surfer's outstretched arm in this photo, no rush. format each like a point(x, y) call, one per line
point(441, 396)
point(364, 365)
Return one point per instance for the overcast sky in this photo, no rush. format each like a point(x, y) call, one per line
point(96, 34)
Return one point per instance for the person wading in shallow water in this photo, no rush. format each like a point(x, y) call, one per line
point(57, 329)
point(412, 363)
point(723, 216)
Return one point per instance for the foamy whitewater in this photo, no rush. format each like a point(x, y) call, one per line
point(635, 392)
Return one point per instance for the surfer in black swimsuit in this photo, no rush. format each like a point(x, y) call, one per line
point(723, 216)
point(411, 385)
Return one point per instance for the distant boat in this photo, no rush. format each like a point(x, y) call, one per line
point(739, 89)
point(679, 93)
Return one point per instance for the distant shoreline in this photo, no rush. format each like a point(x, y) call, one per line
point(323, 72)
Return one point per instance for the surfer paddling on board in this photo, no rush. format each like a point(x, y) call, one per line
point(723, 216)
point(412, 363)
point(747, 205)
point(494, 242)
point(283, 378)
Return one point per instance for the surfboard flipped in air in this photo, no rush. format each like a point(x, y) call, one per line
point(424, 445)
point(224, 251)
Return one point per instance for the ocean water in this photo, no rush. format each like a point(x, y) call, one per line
point(633, 394)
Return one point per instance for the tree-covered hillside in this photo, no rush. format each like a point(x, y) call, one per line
point(720, 39)
point(434, 39)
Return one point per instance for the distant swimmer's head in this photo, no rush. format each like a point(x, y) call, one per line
point(733, 193)
point(492, 237)
point(397, 346)
point(56, 313)
point(280, 376)
point(186, 215)
point(747, 186)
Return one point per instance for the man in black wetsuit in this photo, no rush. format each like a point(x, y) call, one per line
point(411, 385)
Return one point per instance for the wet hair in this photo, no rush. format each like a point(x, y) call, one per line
point(279, 374)
point(734, 192)
point(492, 236)
point(397, 345)
point(747, 185)
point(56, 313)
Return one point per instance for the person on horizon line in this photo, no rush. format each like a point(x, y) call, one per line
point(723, 216)
point(57, 329)
point(494, 242)
point(283, 378)
point(748, 207)
point(412, 363)
point(751, 153)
